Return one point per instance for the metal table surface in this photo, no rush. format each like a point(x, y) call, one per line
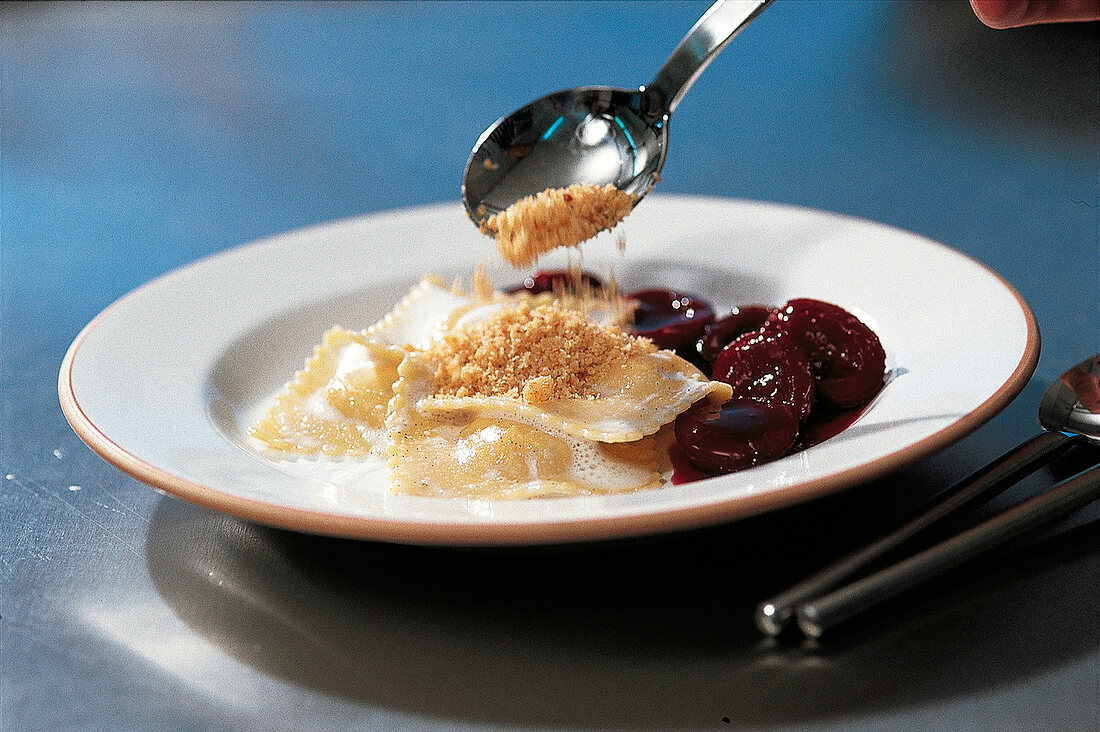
point(138, 137)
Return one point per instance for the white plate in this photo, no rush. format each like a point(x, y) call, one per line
point(162, 383)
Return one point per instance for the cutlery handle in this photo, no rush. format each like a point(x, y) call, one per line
point(823, 613)
point(706, 39)
point(773, 615)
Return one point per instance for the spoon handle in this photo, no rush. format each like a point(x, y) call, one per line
point(773, 615)
point(819, 615)
point(718, 26)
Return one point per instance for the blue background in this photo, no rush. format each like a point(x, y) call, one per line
point(138, 137)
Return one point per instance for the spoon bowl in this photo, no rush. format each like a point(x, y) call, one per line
point(1071, 405)
point(595, 135)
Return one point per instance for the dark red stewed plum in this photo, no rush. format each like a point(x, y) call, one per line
point(672, 320)
point(808, 358)
point(847, 356)
point(550, 281)
point(768, 366)
point(721, 332)
point(738, 434)
point(798, 372)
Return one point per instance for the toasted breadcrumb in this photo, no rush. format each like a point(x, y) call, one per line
point(536, 354)
point(481, 285)
point(557, 217)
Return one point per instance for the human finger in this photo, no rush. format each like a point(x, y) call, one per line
point(1015, 13)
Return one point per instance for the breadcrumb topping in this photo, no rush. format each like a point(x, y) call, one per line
point(537, 354)
point(557, 217)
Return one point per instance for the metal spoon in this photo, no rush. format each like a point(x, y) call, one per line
point(596, 135)
point(1070, 413)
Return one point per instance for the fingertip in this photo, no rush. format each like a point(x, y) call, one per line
point(1016, 13)
point(1000, 13)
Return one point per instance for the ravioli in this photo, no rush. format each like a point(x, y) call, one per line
point(463, 455)
point(626, 403)
point(503, 442)
point(337, 404)
point(488, 395)
point(423, 315)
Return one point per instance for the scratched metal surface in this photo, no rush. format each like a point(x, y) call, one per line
point(136, 138)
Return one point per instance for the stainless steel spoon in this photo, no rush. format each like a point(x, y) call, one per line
point(1069, 411)
point(596, 135)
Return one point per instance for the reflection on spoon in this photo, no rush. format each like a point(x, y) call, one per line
point(1084, 379)
point(595, 135)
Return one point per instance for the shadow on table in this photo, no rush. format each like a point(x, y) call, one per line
point(652, 633)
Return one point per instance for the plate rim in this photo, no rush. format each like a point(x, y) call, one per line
point(542, 532)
